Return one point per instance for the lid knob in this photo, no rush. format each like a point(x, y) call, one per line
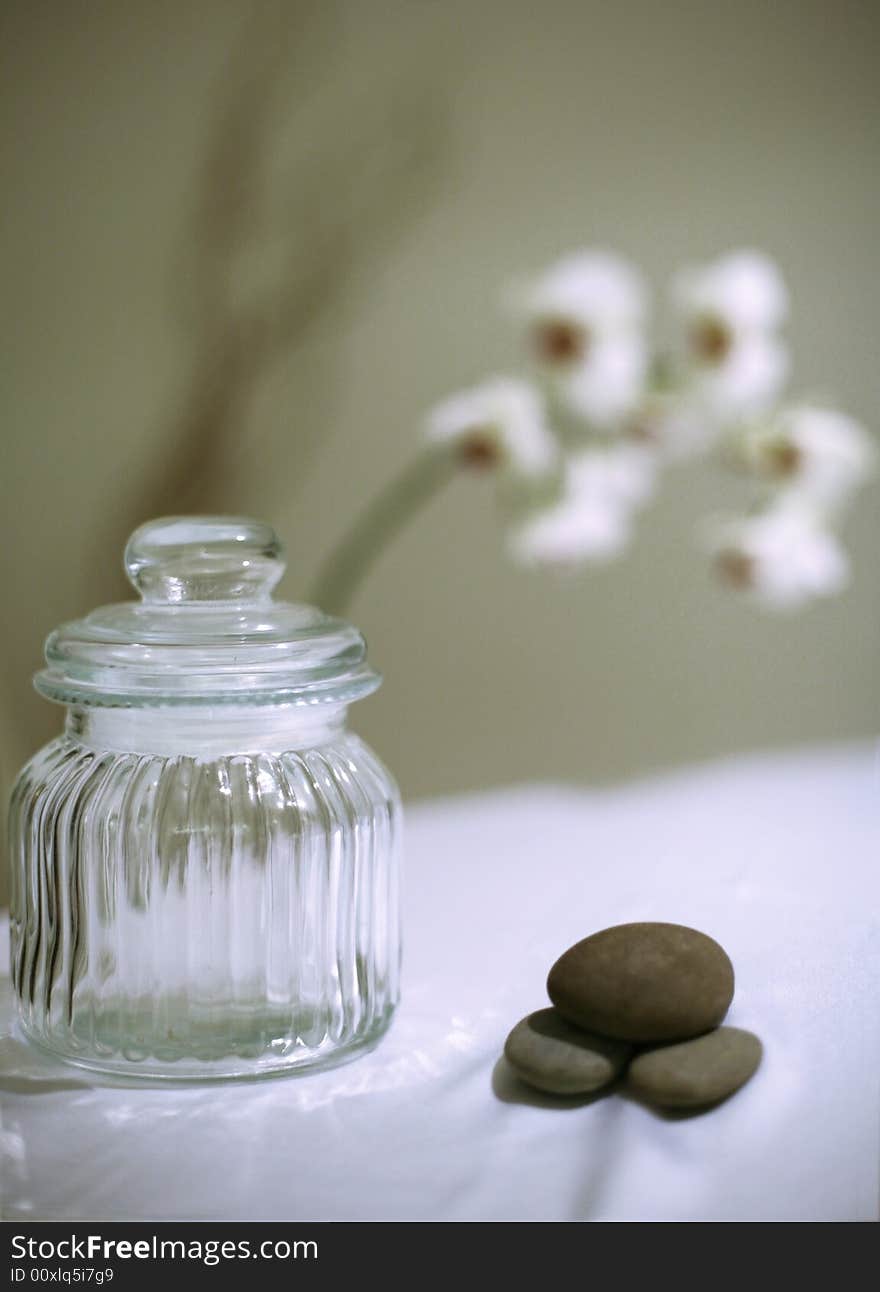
point(204, 558)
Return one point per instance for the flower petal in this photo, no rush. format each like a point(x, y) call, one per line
point(621, 474)
point(743, 290)
point(501, 412)
point(815, 454)
point(746, 384)
point(609, 384)
point(597, 289)
point(783, 557)
point(570, 534)
point(592, 521)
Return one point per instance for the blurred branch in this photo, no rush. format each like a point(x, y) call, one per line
point(380, 521)
point(346, 193)
point(364, 131)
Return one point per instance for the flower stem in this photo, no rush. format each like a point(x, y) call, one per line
point(383, 518)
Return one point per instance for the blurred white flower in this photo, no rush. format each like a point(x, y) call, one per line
point(817, 455)
point(729, 312)
point(597, 289)
point(585, 317)
point(591, 522)
point(740, 293)
point(499, 423)
point(570, 534)
point(783, 557)
point(745, 384)
point(608, 384)
point(623, 473)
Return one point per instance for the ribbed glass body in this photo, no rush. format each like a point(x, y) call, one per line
point(207, 913)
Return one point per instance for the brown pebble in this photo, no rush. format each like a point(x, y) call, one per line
point(643, 982)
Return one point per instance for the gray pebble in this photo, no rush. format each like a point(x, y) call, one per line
point(551, 1055)
point(694, 1074)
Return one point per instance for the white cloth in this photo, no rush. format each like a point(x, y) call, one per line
point(775, 856)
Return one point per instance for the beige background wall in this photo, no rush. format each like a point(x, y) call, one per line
point(166, 164)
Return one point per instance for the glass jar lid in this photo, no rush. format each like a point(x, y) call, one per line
point(206, 630)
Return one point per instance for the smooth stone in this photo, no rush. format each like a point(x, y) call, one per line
point(551, 1055)
point(694, 1074)
point(643, 983)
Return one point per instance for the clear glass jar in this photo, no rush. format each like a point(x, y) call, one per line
point(205, 864)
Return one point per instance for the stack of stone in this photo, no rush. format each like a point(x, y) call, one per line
point(648, 999)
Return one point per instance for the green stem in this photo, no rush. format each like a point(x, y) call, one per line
point(383, 518)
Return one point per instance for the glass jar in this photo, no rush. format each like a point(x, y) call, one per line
point(205, 864)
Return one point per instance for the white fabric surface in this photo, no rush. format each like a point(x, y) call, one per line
point(776, 856)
